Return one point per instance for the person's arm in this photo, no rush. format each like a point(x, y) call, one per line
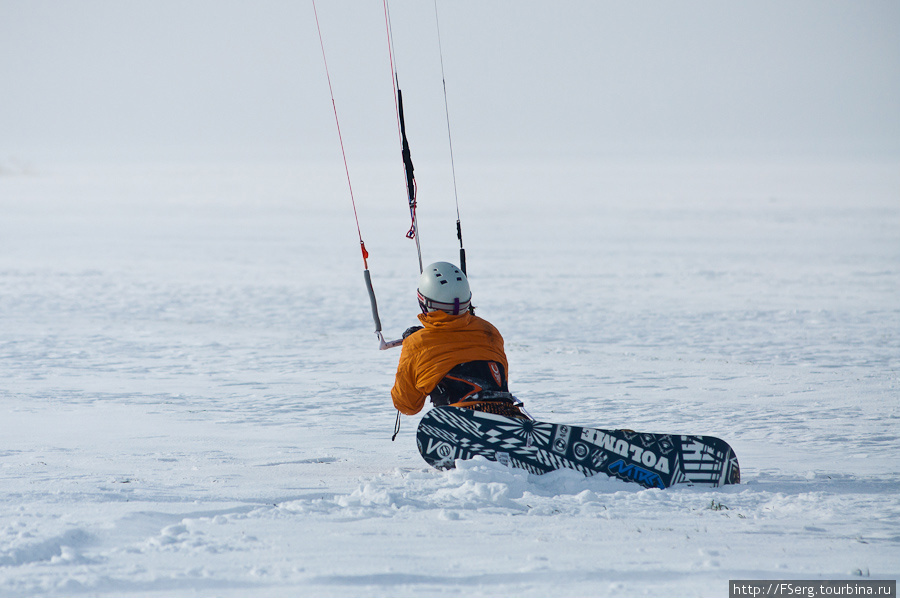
point(408, 399)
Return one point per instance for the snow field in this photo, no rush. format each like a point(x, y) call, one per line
point(193, 401)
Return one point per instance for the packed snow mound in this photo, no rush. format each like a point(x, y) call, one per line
point(475, 485)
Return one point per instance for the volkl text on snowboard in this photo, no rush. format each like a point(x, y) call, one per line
point(651, 460)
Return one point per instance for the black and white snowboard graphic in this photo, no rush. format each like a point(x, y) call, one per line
point(651, 460)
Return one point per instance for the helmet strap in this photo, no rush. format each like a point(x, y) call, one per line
point(429, 305)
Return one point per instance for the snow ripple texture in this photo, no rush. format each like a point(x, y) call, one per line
point(193, 402)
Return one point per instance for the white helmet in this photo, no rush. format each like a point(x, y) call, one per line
point(443, 286)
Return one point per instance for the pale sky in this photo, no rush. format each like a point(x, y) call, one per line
point(209, 79)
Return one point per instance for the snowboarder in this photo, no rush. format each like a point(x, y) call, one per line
point(455, 357)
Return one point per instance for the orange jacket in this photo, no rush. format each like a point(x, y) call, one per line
point(428, 355)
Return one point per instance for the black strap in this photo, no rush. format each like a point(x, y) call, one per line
point(396, 427)
point(407, 166)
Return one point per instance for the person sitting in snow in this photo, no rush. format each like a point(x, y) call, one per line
point(455, 357)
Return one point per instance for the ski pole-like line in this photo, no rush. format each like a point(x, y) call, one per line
point(462, 251)
point(337, 123)
point(408, 168)
point(365, 254)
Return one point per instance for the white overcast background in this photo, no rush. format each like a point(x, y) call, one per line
point(211, 80)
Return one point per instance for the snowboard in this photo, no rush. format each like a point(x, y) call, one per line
point(446, 434)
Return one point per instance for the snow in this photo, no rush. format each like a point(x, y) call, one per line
point(193, 402)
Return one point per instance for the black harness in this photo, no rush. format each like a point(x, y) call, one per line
point(479, 385)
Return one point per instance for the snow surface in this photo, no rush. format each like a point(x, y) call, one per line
point(193, 402)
